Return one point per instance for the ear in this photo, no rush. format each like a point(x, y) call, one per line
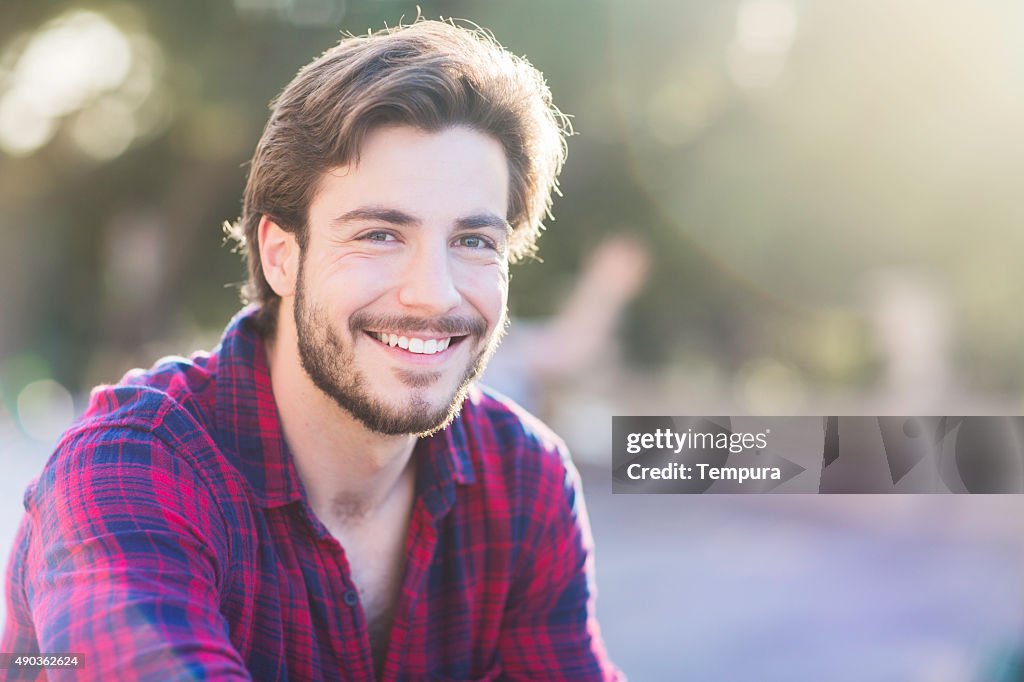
point(279, 256)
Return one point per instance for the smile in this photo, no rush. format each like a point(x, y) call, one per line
point(415, 344)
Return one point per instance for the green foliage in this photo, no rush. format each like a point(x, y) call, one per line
point(767, 200)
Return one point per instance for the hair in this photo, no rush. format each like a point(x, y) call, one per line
point(431, 75)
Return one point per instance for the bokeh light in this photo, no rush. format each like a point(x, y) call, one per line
point(82, 62)
point(45, 409)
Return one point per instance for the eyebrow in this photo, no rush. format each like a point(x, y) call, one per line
point(486, 219)
point(397, 217)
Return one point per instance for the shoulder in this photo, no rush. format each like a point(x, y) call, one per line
point(515, 452)
point(506, 426)
point(528, 485)
point(142, 458)
point(145, 399)
point(158, 419)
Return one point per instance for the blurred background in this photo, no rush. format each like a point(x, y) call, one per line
point(770, 207)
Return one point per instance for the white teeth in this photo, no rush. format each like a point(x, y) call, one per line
point(414, 345)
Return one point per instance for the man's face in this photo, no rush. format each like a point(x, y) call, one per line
point(403, 283)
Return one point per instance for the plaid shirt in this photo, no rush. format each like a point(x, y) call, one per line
point(169, 537)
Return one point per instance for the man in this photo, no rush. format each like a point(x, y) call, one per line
point(326, 495)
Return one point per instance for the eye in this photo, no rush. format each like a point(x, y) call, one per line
point(475, 241)
point(378, 236)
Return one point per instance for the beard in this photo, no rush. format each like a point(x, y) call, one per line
point(331, 365)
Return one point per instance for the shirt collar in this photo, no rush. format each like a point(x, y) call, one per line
point(249, 428)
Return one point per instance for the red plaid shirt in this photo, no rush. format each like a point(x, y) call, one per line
point(169, 537)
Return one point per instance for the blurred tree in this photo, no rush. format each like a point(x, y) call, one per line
point(772, 153)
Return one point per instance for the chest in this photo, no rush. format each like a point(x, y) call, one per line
point(376, 562)
point(376, 557)
point(290, 607)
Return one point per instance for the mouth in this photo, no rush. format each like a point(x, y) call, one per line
point(418, 345)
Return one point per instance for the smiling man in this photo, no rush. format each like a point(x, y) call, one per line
point(327, 494)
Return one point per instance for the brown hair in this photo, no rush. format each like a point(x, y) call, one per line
point(430, 75)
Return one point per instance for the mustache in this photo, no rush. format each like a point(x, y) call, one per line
point(451, 325)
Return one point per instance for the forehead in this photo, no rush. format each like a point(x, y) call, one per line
point(432, 175)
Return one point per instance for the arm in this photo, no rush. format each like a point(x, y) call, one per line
point(550, 628)
point(584, 325)
point(125, 562)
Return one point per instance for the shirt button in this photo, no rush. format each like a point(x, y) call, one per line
point(351, 598)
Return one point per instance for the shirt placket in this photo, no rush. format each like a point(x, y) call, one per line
point(421, 543)
point(348, 635)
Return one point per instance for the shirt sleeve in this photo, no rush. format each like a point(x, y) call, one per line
point(127, 555)
point(550, 628)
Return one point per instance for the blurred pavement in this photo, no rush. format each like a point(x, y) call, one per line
point(806, 588)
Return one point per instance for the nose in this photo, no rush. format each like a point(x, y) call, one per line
point(427, 284)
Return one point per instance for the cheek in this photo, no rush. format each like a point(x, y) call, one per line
point(486, 290)
point(360, 278)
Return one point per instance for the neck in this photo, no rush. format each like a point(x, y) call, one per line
point(349, 472)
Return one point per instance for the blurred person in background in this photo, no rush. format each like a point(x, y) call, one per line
point(535, 353)
point(327, 494)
